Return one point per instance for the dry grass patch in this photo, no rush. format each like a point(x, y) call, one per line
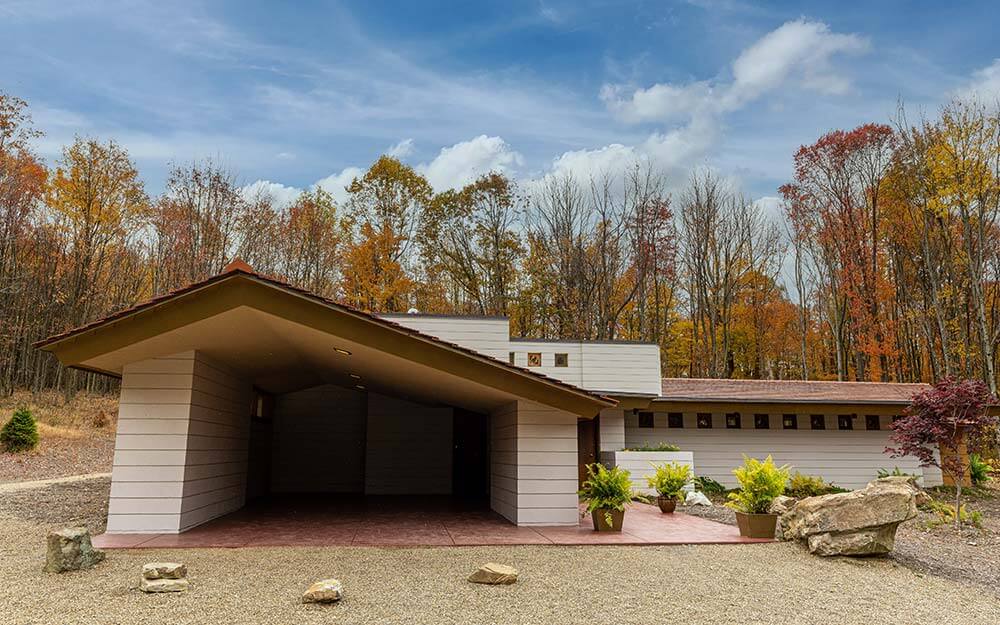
point(84, 412)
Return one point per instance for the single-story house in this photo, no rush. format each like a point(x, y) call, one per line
point(242, 386)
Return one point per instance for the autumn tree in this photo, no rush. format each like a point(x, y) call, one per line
point(469, 238)
point(196, 224)
point(838, 188)
point(723, 238)
point(942, 425)
point(383, 209)
point(22, 185)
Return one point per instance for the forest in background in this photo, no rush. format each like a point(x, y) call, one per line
point(892, 231)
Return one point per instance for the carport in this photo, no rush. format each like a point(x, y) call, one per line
point(242, 387)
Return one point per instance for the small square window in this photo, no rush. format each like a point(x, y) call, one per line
point(645, 419)
point(675, 420)
point(733, 421)
point(845, 422)
point(817, 422)
point(871, 422)
point(534, 359)
point(510, 358)
point(790, 421)
point(705, 420)
point(762, 421)
point(562, 360)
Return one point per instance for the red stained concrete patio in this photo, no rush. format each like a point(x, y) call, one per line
point(416, 522)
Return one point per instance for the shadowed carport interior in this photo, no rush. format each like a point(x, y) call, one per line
point(416, 521)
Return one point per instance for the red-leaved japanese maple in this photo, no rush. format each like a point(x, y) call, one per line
point(938, 421)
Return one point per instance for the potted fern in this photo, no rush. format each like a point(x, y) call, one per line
point(606, 493)
point(760, 482)
point(669, 481)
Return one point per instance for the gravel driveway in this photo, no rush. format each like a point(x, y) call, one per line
point(775, 583)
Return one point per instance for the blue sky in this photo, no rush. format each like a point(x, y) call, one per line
point(292, 94)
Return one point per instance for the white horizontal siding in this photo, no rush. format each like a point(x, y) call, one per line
point(848, 458)
point(486, 335)
point(534, 465)
point(611, 424)
point(642, 465)
point(503, 462)
point(622, 367)
point(216, 466)
point(180, 449)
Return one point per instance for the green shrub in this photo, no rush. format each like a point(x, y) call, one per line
point(670, 479)
point(606, 489)
point(20, 433)
point(760, 482)
point(946, 514)
point(708, 486)
point(979, 470)
point(800, 486)
point(657, 447)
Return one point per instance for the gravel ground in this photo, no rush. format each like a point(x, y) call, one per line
point(972, 556)
point(777, 583)
point(91, 452)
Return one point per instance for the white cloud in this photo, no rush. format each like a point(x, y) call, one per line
point(985, 83)
point(463, 162)
point(335, 184)
point(673, 153)
point(402, 149)
point(798, 53)
point(281, 195)
point(796, 50)
point(661, 102)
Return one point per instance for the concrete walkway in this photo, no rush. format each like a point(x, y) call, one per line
point(403, 521)
point(8, 487)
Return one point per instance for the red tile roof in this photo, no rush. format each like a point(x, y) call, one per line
point(238, 267)
point(787, 391)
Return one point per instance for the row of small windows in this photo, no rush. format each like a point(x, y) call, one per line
point(734, 421)
point(535, 359)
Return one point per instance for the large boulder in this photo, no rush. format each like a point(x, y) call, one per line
point(781, 506)
point(856, 523)
point(70, 550)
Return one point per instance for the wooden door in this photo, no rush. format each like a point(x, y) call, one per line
point(586, 445)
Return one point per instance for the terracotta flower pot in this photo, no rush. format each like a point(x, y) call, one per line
point(601, 522)
point(756, 525)
point(667, 504)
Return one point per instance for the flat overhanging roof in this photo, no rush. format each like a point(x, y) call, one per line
point(283, 339)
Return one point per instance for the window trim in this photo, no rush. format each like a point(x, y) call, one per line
point(734, 421)
point(532, 356)
point(845, 418)
point(873, 418)
point(785, 421)
point(511, 356)
point(762, 421)
point(706, 424)
point(642, 414)
point(675, 420)
point(565, 359)
point(813, 420)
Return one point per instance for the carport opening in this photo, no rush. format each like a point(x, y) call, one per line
point(335, 443)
